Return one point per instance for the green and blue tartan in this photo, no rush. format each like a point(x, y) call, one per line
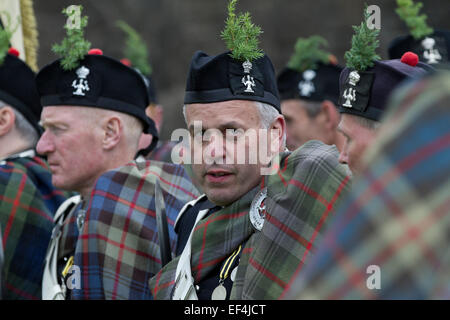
point(397, 216)
point(301, 197)
point(28, 202)
point(118, 249)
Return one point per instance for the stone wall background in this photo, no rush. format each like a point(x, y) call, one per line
point(175, 29)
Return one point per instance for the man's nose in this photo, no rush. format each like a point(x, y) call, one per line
point(216, 148)
point(343, 157)
point(45, 145)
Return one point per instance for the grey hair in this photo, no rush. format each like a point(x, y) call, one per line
point(312, 108)
point(267, 114)
point(23, 126)
point(368, 123)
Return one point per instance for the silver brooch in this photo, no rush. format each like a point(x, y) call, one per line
point(81, 84)
point(258, 210)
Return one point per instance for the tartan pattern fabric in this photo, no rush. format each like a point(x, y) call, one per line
point(231, 227)
point(301, 196)
point(397, 216)
point(118, 248)
point(28, 202)
point(162, 152)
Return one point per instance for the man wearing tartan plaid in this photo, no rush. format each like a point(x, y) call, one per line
point(389, 239)
point(364, 87)
point(252, 230)
point(28, 200)
point(93, 116)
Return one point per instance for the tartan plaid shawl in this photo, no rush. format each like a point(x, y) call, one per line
point(118, 249)
point(301, 197)
point(162, 152)
point(28, 201)
point(397, 216)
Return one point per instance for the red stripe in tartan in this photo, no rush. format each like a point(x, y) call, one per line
point(410, 235)
point(32, 164)
point(124, 234)
point(28, 208)
point(209, 263)
point(247, 250)
point(19, 292)
point(204, 225)
point(285, 164)
point(413, 232)
point(163, 286)
point(374, 189)
point(309, 191)
point(281, 178)
point(267, 273)
point(399, 214)
point(115, 198)
point(356, 277)
point(386, 178)
point(422, 154)
point(404, 165)
point(9, 170)
point(133, 164)
point(52, 194)
point(316, 231)
point(412, 95)
point(119, 245)
point(41, 162)
point(284, 228)
point(14, 210)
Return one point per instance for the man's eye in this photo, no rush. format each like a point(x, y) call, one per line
point(56, 130)
point(235, 132)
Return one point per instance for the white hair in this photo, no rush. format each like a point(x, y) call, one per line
point(23, 126)
point(368, 123)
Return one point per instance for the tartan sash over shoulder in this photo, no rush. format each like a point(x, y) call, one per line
point(301, 197)
point(118, 249)
point(397, 217)
point(28, 202)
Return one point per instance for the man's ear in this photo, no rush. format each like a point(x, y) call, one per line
point(277, 134)
point(331, 114)
point(113, 131)
point(7, 120)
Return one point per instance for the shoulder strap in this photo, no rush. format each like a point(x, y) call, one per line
point(184, 282)
point(51, 289)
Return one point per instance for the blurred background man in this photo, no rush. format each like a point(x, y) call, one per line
point(309, 91)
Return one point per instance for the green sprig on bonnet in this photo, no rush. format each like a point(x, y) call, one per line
point(308, 54)
point(362, 54)
point(408, 11)
point(74, 47)
point(241, 35)
point(135, 49)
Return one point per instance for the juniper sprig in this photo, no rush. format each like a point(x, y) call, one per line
point(241, 35)
point(308, 53)
point(74, 47)
point(135, 49)
point(362, 54)
point(408, 11)
point(5, 35)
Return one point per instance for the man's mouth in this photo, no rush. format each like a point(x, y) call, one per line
point(217, 176)
point(52, 165)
